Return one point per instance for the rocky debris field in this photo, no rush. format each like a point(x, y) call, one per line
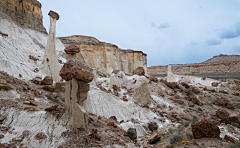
point(196, 115)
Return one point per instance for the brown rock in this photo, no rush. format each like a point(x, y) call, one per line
point(139, 71)
point(190, 104)
point(76, 70)
point(236, 94)
point(110, 124)
point(33, 103)
point(179, 101)
point(204, 78)
point(154, 138)
point(20, 75)
point(31, 96)
point(229, 120)
point(221, 114)
point(132, 133)
point(152, 126)
point(223, 91)
point(172, 85)
point(195, 100)
point(205, 129)
point(47, 81)
point(51, 108)
point(229, 138)
point(163, 81)
point(205, 89)
point(72, 49)
point(115, 71)
point(95, 134)
point(214, 84)
point(230, 106)
point(221, 102)
point(2, 118)
point(153, 79)
point(113, 118)
point(53, 14)
point(235, 124)
point(33, 58)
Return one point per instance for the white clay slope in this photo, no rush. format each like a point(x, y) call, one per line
point(18, 45)
point(33, 122)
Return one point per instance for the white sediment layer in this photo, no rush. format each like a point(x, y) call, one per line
point(18, 45)
point(34, 122)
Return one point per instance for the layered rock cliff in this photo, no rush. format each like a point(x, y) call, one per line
point(25, 12)
point(101, 55)
point(213, 70)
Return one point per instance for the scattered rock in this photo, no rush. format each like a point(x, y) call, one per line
point(152, 126)
point(132, 133)
point(231, 119)
point(33, 103)
point(51, 108)
point(236, 94)
point(230, 106)
point(33, 58)
point(154, 138)
point(221, 102)
point(214, 84)
point(113, 118)
point(2, 118)
point(27, 102)
point(47, 81)
point(110, 124)
point(179, 101)
point(139, 71)
point(195, 100)
point(95, 134)
point(205, 129)
point(1, 136)
point(229, 138)
point(221, 114)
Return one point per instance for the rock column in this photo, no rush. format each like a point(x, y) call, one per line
point(50, 64)
point(170, 75)
point(77, 77)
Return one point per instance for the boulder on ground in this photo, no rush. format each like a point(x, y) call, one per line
point(205, 129)
point(141, 91)
point(139, 71)
point(221, 102)
point(152, 126)
point(132, 133)
point(195, 100)
point(154, 138)
point(214, 84)
point(47, 81)
point(229, 138)
point(230, 106)
point(231, 119)
point(221, 114)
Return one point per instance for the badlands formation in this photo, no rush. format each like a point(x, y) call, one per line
point(79, 92)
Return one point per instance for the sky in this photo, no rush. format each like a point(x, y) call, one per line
point(168, 31)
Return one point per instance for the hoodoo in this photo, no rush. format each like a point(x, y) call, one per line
point(50, 64)
point(77, 77)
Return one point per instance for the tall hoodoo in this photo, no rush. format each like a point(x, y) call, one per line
point(77, 77)
point(50, 64)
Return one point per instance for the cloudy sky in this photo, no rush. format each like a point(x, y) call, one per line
point(169, 31)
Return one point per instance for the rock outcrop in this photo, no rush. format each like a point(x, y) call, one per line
point(213, 69)
point(101, 55)
point(50, 64)
point(77, 78)
point(25, 12)
point(141, 91)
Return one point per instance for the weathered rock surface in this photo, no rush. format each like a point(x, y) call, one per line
point(101, 55)
point(154, 138)
point(141, 91)
point(205, 129)
point(25, 12)
point(76, 70)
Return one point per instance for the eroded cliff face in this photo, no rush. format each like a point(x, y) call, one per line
point(25, 12)
point(101, 55)
point(208, 68)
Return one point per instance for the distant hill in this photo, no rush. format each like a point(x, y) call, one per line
point(223, 58)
